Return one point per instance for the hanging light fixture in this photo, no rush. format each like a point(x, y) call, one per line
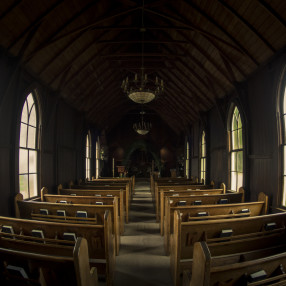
point(142, 89)
point(142, 127)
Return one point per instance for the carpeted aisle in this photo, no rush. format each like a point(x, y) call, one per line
point(142, 260)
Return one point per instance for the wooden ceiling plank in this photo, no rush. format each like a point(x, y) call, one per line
point(57, 55)
point(10, 9)
point(28, 40)
point(199, 64)
point(226, 33)
point(201, 80)
point(247, 24)
point(99, 100)
point(228, 58)
point(97, 53)
point(131, 55)
point(62, 28)
point(195, 110)
point(228, 67)
point(170, 117)
point(103, 97)
point(53, 39)
point(88, 62)
point(202, 51)
point(194, 96)
point(99, 77)
point(196, 29)
point(176, 81)
point(35, 23)
point(271, 11)
point(179, 105)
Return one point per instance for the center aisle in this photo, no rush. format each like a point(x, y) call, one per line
point(142, 260)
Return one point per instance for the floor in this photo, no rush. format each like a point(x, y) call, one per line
point(142, 260)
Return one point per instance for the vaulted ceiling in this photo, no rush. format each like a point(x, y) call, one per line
point(83, 49)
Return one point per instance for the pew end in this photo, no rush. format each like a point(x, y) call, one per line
point(44, 191)
point(60, 187)
point(222, 186)
point(263, 197)
point(18, 197)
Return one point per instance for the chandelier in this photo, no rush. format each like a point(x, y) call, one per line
point(142, 89)
point(142, 127)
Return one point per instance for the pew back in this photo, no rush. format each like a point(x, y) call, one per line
point(187, 233)
point(205, 197)
point(89, 200)
point(95, 213)
point(204, 273)
point(45, 264)
point(104, 191)
point(177, 188)
point(214, 212)
point(99, 238)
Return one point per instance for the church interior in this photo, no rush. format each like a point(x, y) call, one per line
point(123, 122)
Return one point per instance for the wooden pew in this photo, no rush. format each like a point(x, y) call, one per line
point(183, 187)
point(130, 180)
point(45, 264)
point(236, 251)
point(214, 212)
point(90, 200)
point(205, 272)
point(187, 233)
point(95, 213)
point(126, 196)
point(99, 239)
point(203, 197)
point(154, 178)
point(125, 184)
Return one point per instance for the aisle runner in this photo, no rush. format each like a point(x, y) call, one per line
point(142, 260)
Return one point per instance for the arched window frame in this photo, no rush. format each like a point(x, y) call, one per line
point(88, 155)
point(29, 150)
point(236, 148)
point(203, 157)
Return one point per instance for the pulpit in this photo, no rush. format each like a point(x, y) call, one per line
point(121, 171)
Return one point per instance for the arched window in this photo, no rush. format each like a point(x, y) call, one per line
point(203, 157)
point(236, 150)
point(28, 149)
point(87, 155)
point(187, 160)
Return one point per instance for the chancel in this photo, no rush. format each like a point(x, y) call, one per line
point(143, 142)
